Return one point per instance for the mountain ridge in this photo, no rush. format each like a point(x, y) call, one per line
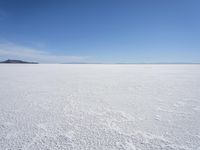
point(14, 61)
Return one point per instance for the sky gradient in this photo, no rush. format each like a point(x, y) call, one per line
point(100, 31)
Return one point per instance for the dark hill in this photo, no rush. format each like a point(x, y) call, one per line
point(11, 61)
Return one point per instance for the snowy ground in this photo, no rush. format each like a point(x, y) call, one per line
point(100, 107)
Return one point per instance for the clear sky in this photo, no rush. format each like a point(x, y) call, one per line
point(106, 31)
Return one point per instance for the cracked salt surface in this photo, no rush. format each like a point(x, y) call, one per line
point(108, 107)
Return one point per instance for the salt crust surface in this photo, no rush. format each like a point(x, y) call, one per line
point(99, 107)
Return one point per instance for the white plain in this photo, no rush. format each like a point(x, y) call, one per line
point(146, 107)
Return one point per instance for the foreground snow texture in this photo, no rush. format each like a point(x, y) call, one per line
point(130, 107)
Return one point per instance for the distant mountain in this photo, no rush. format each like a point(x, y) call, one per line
point(11, 61)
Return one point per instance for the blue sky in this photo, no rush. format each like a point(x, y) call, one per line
point(106, 31)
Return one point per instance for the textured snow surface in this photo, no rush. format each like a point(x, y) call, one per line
point(99, 107)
